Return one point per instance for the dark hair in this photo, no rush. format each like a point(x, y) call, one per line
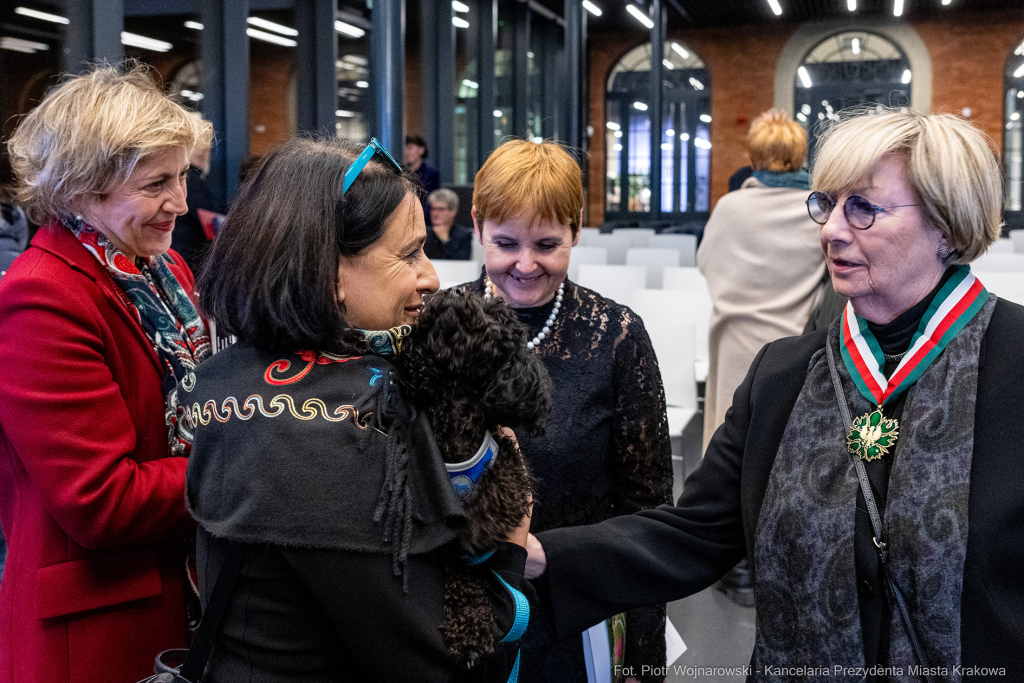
point(272, 275)
point(418, 140)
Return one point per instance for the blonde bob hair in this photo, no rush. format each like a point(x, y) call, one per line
point(89, 133)
point(948, 164)
point(523, 178)
point(776, 142)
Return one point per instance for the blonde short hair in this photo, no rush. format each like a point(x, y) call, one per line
point(948, 163)
point(523, 178)
point(89, 133)
point(776, 142)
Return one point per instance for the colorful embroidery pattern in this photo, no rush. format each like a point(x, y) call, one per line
point(310, 357)
point(311, 408)
point(384, 342)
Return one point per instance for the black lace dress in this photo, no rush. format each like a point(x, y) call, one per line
point(605, 452)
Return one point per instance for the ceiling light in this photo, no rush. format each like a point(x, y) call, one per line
point(1015, 116)
point(706, 118)
point(618, 133)
point(851, 5)
point(194, 25)
point(459, 22)
point(670, 133)
point(271, 26)
point(801, 116)
point(362, 84)
point(459, 6)
point(1019, 50)
point(697, 85)
point(667, 64)
point(470, 84)
point(897, 8)
point(614, 126)
point(617, 148)
point(135, 40)
point(344, 114)
point(805, 77)
point(356, 59)
point(639, 16)
point(945, 2)
point(592, 8)
point(45, 16)
point(18, 45)
point(1019, 72)
point(667, 146)
point(906, 76)
point(270, 37)
point(702, 143)
point(680, 50)
point(1020, 94)
point(855, 46)
point(497, 113)
point(684, 136)
point(805, 108)
point(639, 106)
point(776, 7)
point(348, 29)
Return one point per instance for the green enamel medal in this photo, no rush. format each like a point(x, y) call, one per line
point(872, 435)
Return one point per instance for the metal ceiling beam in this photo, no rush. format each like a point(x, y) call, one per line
point(94, 34)
point(316, 75)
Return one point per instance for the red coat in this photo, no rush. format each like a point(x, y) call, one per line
point(92, 507)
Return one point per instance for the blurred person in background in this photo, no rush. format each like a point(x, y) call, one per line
point(96, 328)
point(414, 156)
point(192, 234)
point(445, 238)
point(13, 235)
point(605, 450)
point(764, 267)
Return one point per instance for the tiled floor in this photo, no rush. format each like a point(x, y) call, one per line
point(717, 632)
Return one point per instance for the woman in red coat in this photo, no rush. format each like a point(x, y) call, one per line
point(96, 326)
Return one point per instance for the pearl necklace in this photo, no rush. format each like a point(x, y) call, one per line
point(546, 330)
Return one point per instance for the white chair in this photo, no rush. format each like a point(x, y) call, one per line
point(686, 244)
point(690, 307)
point(655, 260)
point(1017, 237)
point(1001, 246)
point(683, 278)
point(1009, 286)
point(673, 343)
point(580, 255)
point(586, 234)
point(612, 281)
point(452, 273)
point(617, 245)
point(638, 237)
point(1000, 263)
point(477, 253)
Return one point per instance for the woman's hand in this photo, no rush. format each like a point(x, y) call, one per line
point(536, 560)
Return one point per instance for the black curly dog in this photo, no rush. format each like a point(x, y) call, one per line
point(466, 364)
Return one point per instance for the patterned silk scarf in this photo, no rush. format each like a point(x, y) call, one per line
point(160, 305)
point(808, 623)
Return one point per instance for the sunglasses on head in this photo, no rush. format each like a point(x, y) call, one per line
point(364, 157)
point(859, 212)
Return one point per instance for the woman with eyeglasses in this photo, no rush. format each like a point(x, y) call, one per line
point(305, 454)
point(873, 471)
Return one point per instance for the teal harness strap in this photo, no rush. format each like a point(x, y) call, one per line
point(522, 619)
point(514, 676)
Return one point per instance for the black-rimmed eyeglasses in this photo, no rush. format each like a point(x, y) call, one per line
point(859, 212)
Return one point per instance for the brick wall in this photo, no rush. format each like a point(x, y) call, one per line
point(968, 57)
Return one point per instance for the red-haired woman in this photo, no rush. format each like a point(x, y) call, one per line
point(606, 450)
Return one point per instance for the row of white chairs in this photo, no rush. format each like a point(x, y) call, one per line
point(653, 259)
point(618, 242)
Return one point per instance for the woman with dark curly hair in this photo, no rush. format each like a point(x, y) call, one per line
point(304, 450)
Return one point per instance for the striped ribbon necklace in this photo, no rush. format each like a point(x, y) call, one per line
point(872, 435)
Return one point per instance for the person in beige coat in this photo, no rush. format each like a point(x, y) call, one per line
point(762, 260)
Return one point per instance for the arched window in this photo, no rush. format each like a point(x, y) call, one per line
point(685, 149)
point(1013, 149)
point(847, 70)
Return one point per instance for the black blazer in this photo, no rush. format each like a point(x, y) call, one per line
point(672, 552)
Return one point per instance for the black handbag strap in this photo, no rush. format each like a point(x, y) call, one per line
point(209, 626)
point(876, 521)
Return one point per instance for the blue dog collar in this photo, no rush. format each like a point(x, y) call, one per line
point(464, 475)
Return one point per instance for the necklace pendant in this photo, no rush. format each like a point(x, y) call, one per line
point(872, 435)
